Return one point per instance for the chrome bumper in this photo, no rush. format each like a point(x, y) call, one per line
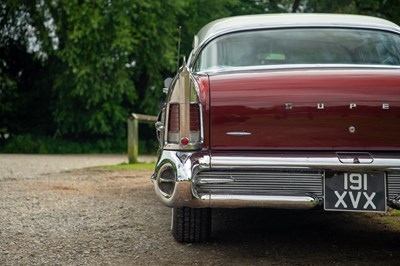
point(395, 203)
point(178, 174)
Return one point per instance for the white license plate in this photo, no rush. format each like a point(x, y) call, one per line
point(355, 191)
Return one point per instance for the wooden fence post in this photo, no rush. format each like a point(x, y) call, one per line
point(133, 134)
point(133, 140)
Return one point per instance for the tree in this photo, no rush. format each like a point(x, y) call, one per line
point(22, 76)
point(384, 9)
point(103, 59)
point(76, 69)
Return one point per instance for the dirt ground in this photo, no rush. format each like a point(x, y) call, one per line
point(105, 217)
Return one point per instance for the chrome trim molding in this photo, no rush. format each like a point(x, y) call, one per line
point(281, 202)
point(238, 133)
point(329, 161)
point(355, 157)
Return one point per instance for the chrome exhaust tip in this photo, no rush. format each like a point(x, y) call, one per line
point(166, 180)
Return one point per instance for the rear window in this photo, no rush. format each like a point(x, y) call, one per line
point(300, 46)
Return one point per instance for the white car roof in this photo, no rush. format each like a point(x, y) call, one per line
point(288, 20)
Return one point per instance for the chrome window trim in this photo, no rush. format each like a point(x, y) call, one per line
point(220, 33)
point(228, 24)
point(194, 54)
point(295, 67)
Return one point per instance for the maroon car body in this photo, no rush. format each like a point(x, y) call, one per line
point(320, 116)
point(282, 111)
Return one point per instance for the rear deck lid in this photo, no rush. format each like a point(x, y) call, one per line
point(314, 109)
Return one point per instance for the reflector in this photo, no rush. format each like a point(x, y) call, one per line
point(184, 141)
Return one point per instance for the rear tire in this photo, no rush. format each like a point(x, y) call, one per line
point(191, 225)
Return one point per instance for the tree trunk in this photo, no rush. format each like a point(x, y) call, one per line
point(295, 6)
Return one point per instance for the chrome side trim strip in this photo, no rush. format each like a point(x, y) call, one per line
point(282, 202)
point(238, 133)
point(312, 162)
point(215, 181)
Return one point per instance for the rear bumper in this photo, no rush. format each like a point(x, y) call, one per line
point(395, 202)
point(274, 180)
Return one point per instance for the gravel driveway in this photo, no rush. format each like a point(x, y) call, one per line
point(27, 166)
point(104, 217)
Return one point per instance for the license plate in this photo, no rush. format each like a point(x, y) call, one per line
point(355, 191)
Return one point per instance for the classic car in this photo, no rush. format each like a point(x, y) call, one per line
point(287, 111)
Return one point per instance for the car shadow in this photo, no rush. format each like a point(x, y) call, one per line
point(305, 237)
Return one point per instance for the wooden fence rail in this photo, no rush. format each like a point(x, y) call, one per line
point(133, 134)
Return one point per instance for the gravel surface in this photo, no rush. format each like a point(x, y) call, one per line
point(28, 166)
point(93, 216)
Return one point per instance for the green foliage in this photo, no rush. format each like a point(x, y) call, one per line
point(385, 9)
point(200, 12)
point(74, 70)
point(93, 88)
point(7, 93)
point(47, 145)
point(104, 59)
point(38, 144)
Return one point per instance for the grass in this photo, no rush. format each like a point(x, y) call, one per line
point(391, 218)
point(126, 166)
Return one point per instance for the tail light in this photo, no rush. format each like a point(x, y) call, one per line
point(175, 135)
point(195, 122)
point(174, 123)
point(194, 117)
point(184, 114)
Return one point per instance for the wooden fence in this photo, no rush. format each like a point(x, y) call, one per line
point(133, 134)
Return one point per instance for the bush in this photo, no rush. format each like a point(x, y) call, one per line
point(48, 145)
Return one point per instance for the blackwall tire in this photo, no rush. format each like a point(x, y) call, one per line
point(191, 225)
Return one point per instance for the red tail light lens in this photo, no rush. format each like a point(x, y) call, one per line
point(174, 118)
point(194, 117)
point(195, 121)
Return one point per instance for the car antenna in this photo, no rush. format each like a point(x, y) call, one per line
point(179, 49)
